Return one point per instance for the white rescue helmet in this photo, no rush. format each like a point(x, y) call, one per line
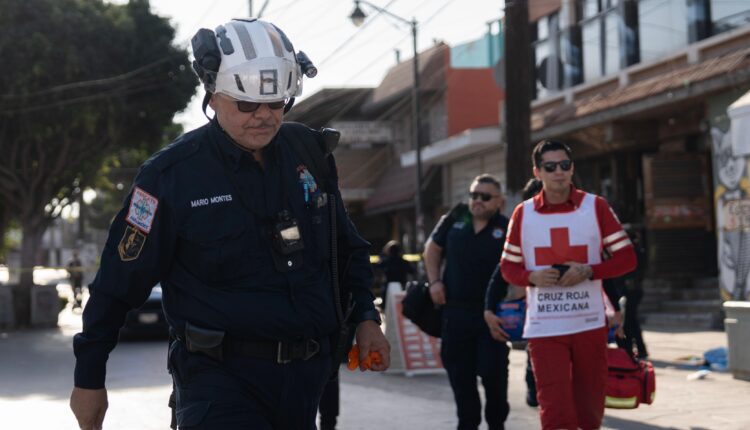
point(256, 61)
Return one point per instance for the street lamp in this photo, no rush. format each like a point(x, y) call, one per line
point(358, 18)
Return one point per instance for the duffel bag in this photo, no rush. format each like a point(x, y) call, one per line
point(630, 381)
point(417, 306)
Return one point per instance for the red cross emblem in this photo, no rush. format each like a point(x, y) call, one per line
point(561, 251)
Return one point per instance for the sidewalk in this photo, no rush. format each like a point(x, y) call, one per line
point(718, 401)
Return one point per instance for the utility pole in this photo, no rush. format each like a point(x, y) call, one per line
point(518, 91)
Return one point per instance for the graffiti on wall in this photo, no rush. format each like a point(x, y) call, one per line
point(732, 202)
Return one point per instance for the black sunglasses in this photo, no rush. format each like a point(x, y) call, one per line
point(551, 166)
point(476, 195)
point(248, 107)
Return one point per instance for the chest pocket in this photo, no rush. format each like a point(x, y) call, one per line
point(319, 222)
point(219, 250)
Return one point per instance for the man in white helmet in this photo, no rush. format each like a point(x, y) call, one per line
point(260, 266)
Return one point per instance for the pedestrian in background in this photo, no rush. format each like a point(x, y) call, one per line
point(554, 246)
point(394, 268)
point(75, 273)
point(633, 284)
point(499, 290)
point(469, 242)
point(235, 225)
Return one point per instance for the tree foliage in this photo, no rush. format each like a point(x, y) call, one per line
point(82, 80)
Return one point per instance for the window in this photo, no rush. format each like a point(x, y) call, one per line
point(729, 14)
point(556, 48)
point(610, 40)
point(547, 55)
point(663, 27)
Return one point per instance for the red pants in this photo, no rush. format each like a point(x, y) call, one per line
point(571, 376)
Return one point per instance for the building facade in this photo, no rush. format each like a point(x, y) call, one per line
point(641, 89)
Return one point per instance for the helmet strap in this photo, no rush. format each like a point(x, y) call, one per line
point(206, 99)
point(287, 108)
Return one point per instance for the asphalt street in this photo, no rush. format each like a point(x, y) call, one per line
point(36, 378)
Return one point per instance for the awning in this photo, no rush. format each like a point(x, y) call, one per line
point(359, 170)
point(466, 143)
point(394, 191)
point(739, 113)
point(689, 82)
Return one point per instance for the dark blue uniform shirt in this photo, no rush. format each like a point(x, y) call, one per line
point(470, 258)
point(199, 220)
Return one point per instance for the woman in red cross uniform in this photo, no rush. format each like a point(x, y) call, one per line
point(555, 242)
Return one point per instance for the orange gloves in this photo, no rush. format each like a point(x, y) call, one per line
point(373, 358)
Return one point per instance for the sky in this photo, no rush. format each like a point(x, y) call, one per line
point(346, 56)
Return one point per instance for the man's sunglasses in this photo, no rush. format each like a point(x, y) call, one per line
point(247, 107)
point(476, 195)
point(551, 166)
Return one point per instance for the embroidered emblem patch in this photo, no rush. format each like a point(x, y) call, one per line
point(498, 233)
point(142, 210)
point(309, 186)
point(459, 224)
point(131, 244)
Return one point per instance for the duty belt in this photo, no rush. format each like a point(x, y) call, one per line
point(215, 344)
point(281, 352)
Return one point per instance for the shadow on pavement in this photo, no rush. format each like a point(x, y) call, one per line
point(662, 364)
point(40, 362)
point(623, 424)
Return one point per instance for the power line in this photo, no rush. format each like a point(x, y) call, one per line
point(93, 82)
point(142, 86)
point(376, 59)
point(283, 9)
point(354, 35)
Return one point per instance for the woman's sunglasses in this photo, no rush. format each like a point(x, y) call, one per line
point(551, 166)
point(248, 107)
point(485, 197)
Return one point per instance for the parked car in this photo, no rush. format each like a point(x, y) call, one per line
point(148, 320)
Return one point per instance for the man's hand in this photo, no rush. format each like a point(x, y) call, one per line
point(89, 407)
point(370, 338)
point(576, 274)
point(495, 324)
point(437, 292)
point(544, 278)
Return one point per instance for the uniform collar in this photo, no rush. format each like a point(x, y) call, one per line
point(574, 200)
point(494, 221)
point(232, 150)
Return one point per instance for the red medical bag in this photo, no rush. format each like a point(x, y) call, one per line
point(630, 381)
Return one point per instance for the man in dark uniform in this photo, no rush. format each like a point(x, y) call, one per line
point(470, 240)
point(238, 231)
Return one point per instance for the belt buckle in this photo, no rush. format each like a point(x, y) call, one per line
point(312, 347)
point(280, 353)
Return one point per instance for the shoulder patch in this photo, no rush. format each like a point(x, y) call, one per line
point(142, 210)
point(131, 244)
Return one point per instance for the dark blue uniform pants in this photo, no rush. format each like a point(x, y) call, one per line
point(247, 393)
point(468, 351)
point(329, 405)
